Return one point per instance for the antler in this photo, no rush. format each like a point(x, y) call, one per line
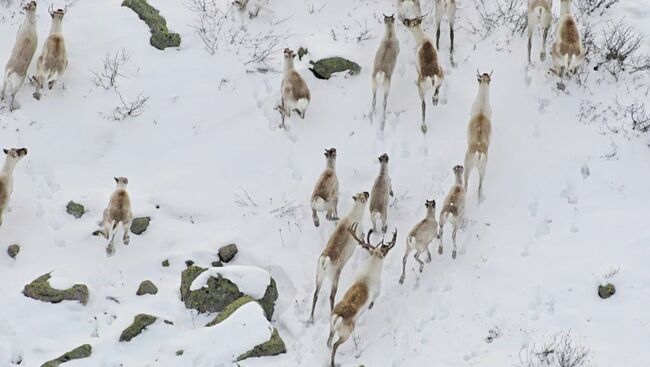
point(365, 244)
point(51, 9)
point(491, 71)
point(392, 242)
point(478, 73)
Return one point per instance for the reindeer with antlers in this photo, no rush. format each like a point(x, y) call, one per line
point(54, 59)
point(363, 293)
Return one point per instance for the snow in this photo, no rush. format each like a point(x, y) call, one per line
point(250, 280)
point(207, 161)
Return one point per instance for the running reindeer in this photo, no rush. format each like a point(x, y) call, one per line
point(21, 56)
point(479, 132)
point(326, 192)
point(568, 53)
point(420, 237)
point(539, 12)
point(379, 196)
point(363, 293)
point(52, 63)
point(453, 209)
point(13, 156)
point(385, 60)
point(338, 251)
point(295, 93)
point(118, 211)
point(448, 8)
point(430, 73)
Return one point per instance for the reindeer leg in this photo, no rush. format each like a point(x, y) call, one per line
point(314, 217)
point(481, 171)
point(469, 161)
point(335, 286)
point(542, 53)
point(453, 237)
point(437, 34)
point(374, 98)
point(127, 229)
point(417, 258)
point(428, 256)
point(451, 37)
point(424, 109)
point(283, 113)
point(335, 347)
point(443, 221)
point(386, 90)
point(320, 274)
point(408, 251)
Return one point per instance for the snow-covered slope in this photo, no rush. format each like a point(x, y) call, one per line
point(208, 163)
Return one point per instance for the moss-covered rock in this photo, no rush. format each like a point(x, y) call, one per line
point(268, 301)
point(606, 291)
point(227, 252)
point(161, 37)
point(139, 225)
point(165, 263)
point(272, 347)
point(13, 251)
point(230, 309)
point(83, 351)
point(324, 68)
point(219, 293)
point(74, 209)
point(140, 322)
point(147, 287)
point(302, 52)
point(41, 290)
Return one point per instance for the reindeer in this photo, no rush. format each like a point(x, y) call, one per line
point(568, 53)
point(430, 73)
point(54, 60)
point(420, 237)
point(295, 93)
point(13, 156)
point(338, 251)
point(326, 193)
point(539, 12)
point(362, 294)
point(118, 211)
point(448, 8)
point(21, 56)
point(385, 60)
point(408, 9)
point(478, 132)
point(379, 196)
point(453, 207)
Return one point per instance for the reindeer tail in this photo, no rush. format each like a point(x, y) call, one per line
point(301, 106)
point(318, 203)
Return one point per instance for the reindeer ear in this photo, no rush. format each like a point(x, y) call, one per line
point(354, 198)
point(6, 151)
point(116, 179)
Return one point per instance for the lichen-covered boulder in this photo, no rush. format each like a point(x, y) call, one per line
point(81, 352)
point(273, 347)
point(227, 252)
point(161, 37)
point(324, 68)
point(165, 263)
point(230, 309)
point(606, 291)
point(147, 287)
point(140, 322)
point(139, 225)
point(13, 251)
point(74, 209)
point(41, 290)
point(212, 290)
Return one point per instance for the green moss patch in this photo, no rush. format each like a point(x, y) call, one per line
point(83, 351)
point(41, 290)
point(272, 347)
point(140, 323)
point(161, 37)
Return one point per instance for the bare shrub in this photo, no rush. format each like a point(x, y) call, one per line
point(132, 108)
point(560, 350)
point(210, 22)
point(107, 77)
point(495, 14)
point(639, 116)
point(619, 49)
point(589, 7)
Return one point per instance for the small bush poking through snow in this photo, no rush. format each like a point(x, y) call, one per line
point(560, 350)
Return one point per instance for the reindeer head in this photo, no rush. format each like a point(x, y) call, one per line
point(30, 6)
point(330, 153)
point(58, 13)
point(288, 54)
point(15, 153)
point(389, 19)
point(412, 23)
point(361, 197)
point(121, 182)
point(380, 250)
point(430, 204)
point(383, 158)
point(458, 170)
point(484, 78)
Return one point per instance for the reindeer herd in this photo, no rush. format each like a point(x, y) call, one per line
point(567, 56)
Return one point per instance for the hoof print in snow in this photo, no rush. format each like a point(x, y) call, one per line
point(140, 322)
point(221, 286)
point(74, 209)
point(140, 225)
point(146, 287)
point(41, 290)
point(165, 263)
point(161, 37)
point(606, 291)
point(13, 251)
point(324, 68)
point(81, 352)
point(274, 346)
point(227, 252)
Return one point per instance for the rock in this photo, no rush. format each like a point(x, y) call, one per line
point(179, 352)
point(217, 264)
point(230, 309)
point(227, 252)
point(272, 347)
point(140, 225)
point(74, 209)
point(161, 37)
point(189, 263)
point(147, 287)
point(324, 68)
point(165, 263)
point(140, 322)
point(81, 352)
point(606, 291)
point(220, 292)
point(302, 52)
point(41, 290)
point(13, 251)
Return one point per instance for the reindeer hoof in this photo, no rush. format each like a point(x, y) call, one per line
point(97, 233)
point(424, 128)
point(110, 251)
point(542, 56)
point(401, 280)
point(453, 254)
point(440, 250)
point(316, 223)
point(126, 241)
point(37, 96)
